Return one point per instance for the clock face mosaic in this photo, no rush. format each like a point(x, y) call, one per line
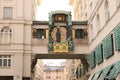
point(60, 17)
point(59, 34)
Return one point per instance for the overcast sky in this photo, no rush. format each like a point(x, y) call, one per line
point(53, 62)
point(51, 5)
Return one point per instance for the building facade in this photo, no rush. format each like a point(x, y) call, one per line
point(38, 71)
point(72, 39)
point(54, 73)
point(22, 38)
point(103, 21)
point(16, 18)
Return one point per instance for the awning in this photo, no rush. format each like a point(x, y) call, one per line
point(91, 76)
point(97, 75)
point(115, 71)
point(105, 72)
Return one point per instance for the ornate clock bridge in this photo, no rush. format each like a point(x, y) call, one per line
point(60, 38)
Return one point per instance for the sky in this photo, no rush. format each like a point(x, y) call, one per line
point(53, 62)
point(42, 15)
point(51, 5)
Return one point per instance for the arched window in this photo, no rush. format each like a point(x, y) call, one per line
point(98, 23)
point(91, 32)
point(107, 15)
point(6, 35)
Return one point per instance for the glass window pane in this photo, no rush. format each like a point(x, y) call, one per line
point(5, 62)
point(5, 56)
point(7, 13)
point(9, 62)
point(9, 56)
point(0, 62)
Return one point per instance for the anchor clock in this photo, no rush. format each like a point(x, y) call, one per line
point(60, 32)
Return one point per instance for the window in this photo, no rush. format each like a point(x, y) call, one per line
point(58, 77)
point(117, 3)
point(48, 72)
point(6, 35)
point(91, 32)
point(57, 71)
point(73, 61)
point(7, 13)
point(6, 78)
point(79, 34)
point(5, 60)
point(107, 15)
point(91, 8)
point(48, 77)
point(92, 59)
point(117, 38)
point(39, 33)
point(108, 47)
point(98, 23)
point(99, 54)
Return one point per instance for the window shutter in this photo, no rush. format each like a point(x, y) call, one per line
point(97, 75)
point(82, 71)
point(79, 71)
point(108, 47)
point(115, 71)
point(117, 38)
point(105, 72)
point(92, 59)
point(99, 54)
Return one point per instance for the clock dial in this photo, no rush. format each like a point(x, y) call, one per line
point(53, 33)
point(62, 33)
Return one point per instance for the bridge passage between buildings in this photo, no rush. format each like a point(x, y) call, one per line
point(60, 56)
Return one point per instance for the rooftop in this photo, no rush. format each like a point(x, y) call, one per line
point(53, 68)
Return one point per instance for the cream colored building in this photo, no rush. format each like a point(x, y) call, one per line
point(79, 9)
point(16, 18)
point(71, 70)
point(104, 39)
point(19, 42)
point(54, 73)
point(38, 70)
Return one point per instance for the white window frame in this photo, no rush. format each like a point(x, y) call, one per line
point(7, 13)
point(107, 14)
point(4, 58)
point(6, 35)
